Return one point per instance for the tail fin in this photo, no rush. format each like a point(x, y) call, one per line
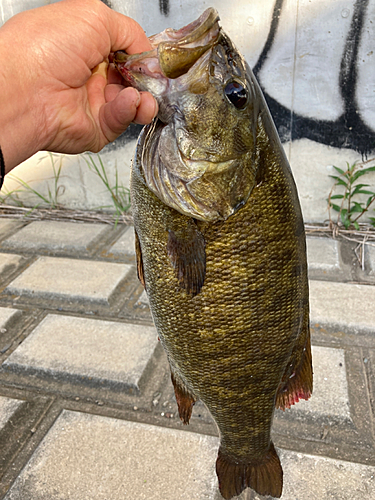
point(265, 477)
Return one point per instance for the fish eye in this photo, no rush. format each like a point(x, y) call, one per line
point(236, 93)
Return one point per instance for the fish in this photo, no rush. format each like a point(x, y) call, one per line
point(220, 245)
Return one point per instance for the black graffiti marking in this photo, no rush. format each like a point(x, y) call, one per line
point(349, 130)
point(164, 7)
point(271, 36)
point(108, 3)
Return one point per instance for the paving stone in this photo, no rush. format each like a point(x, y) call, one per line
point(55, 236)
point(5, 315)
point(371, 257)
point(143, 299)
point(344, 306)
point(98, 458)
point(308, 477)
point(60, 278)
point(8, 225)
point(88, 457)
point(8, 260)
point(7, 409)
point(322, 254)
point(88, 350)
point(330, 397)
point(125, 245)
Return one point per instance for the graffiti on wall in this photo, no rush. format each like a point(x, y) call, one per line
point(164, 7)
point(349, 130)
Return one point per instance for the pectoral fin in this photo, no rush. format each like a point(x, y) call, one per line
point(186, 250)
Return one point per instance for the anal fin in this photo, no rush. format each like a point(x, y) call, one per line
point(185, 399)
point(265, 476)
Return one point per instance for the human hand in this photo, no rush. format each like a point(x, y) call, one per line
point(51, 100)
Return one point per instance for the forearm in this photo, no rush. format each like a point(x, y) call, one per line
point(49, 98)
point(21, 131)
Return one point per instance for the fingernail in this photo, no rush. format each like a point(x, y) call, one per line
point(101, 68)
point(156, 108)
point(138, 101)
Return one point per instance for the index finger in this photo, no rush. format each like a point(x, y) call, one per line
point(126, 34)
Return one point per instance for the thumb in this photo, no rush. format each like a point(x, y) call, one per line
point(128, 106)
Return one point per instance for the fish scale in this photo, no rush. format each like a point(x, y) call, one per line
point(228, 286)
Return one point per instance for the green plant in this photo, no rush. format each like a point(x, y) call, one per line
point(120, 194)
point(351, 209)
point(51, 199)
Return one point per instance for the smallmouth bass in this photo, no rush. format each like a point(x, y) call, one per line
point(220, 245)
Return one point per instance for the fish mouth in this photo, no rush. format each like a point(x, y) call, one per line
point(173, 52)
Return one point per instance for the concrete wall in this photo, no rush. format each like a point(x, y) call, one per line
point(315, 60)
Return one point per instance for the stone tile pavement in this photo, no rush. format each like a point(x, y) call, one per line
point(87, 410)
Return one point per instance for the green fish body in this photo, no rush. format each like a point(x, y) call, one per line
point(221, 246)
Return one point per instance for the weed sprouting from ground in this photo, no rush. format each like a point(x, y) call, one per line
point(50, 199)
point(120, 194)
point(351, 208)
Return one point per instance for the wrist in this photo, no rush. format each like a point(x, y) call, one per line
point(17, 138)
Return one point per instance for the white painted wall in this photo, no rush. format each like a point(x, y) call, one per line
point(318, 75)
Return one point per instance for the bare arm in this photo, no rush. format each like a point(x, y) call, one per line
point(50, 97)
